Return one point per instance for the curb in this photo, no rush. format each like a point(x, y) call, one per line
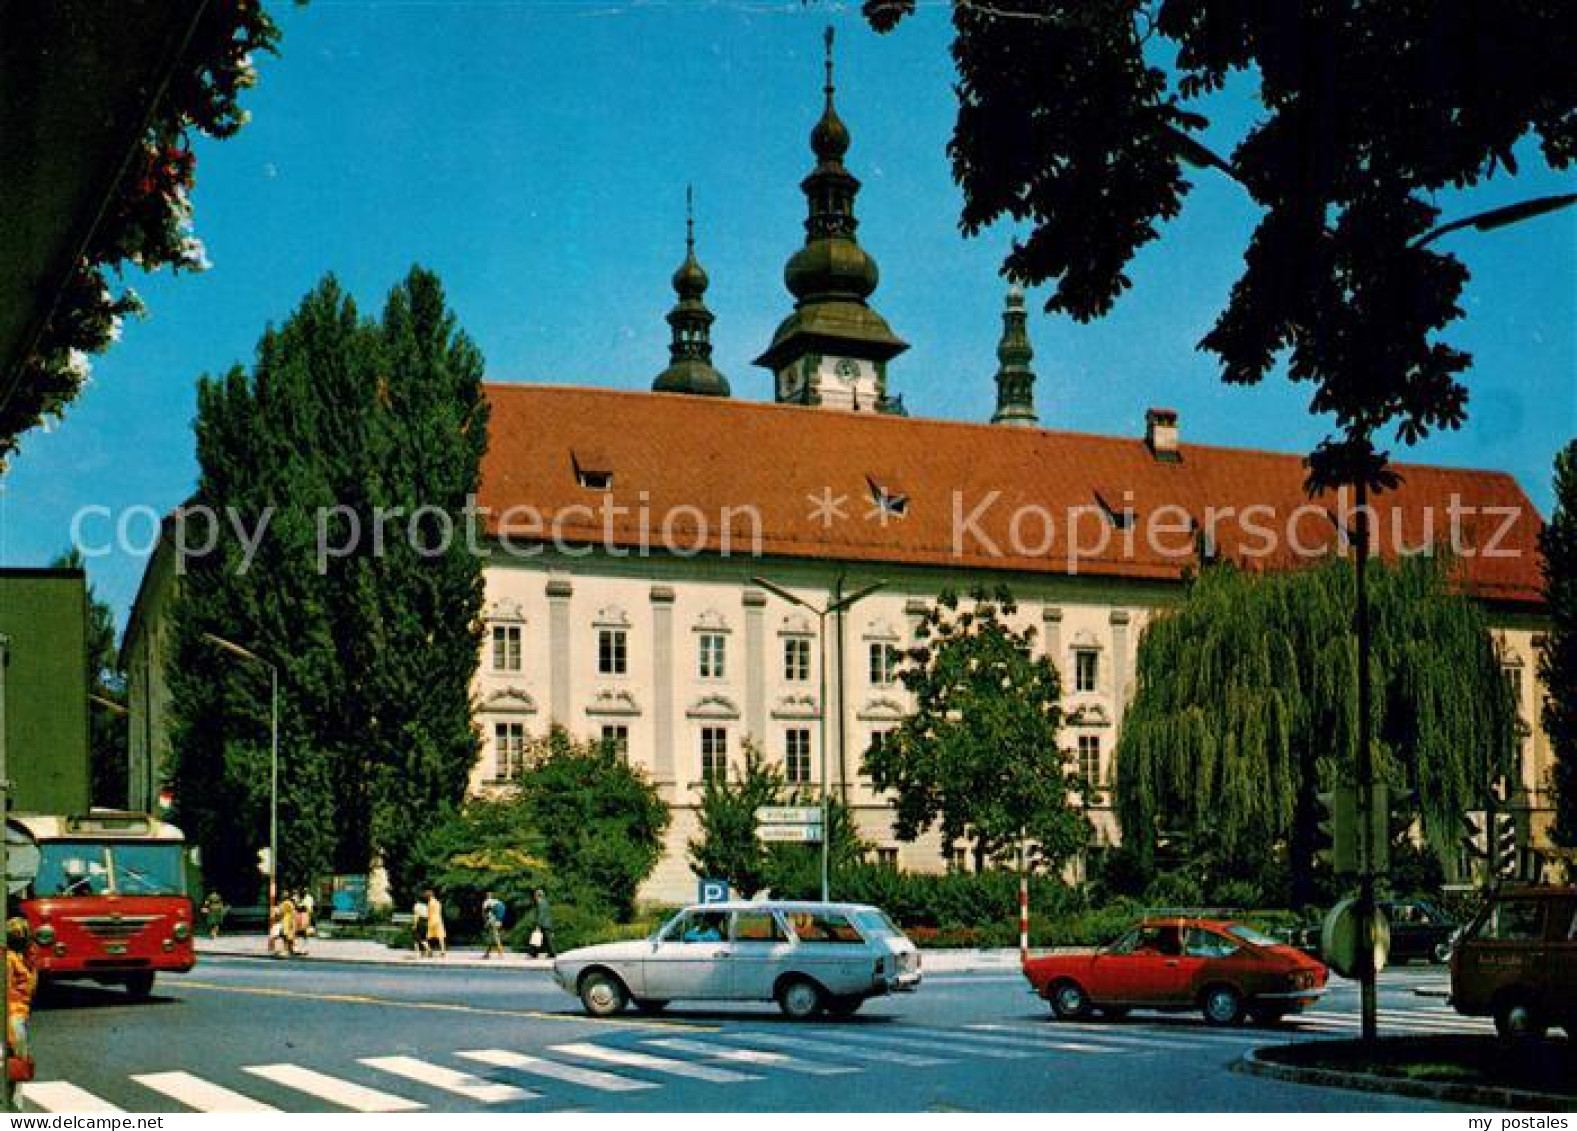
point(319, 958)
point(1511, 1099)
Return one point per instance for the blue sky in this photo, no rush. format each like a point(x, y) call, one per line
point(535, 154)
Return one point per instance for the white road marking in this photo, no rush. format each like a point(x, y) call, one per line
point(835, 1048)
point(753, 1056)
point(629, 1058)
point(448, 1080)
point(936, 1043)
point(199, 1094)
point(59, 1096)
point(553, 1070)
point(331, 1088)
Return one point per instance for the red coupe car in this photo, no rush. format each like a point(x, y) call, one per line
point(1175, 964)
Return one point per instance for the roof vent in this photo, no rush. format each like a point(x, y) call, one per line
point(1160, 434)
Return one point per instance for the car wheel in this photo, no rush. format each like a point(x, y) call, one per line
point(1069, 1001)
point(800, 999)
point(649, 1005)
point(1441, 952)
point(1222, 1005)
point(1518, 1020)
point(140, 985)
point(846, 1006)
point(602, 994)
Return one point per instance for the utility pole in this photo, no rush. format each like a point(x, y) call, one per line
point(1369, 997)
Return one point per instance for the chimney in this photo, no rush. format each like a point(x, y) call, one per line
point(1160, 434)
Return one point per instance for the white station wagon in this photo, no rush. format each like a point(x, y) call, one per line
point(807, 957)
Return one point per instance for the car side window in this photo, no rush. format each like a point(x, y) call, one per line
point(1514, 920)
point(1201, 943)
point(758, 926)
point(698, 927)
point(825, 927)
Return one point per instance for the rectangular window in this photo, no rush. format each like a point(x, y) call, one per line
point(1514, 677)
point(714, 753)
point(796, 660)
point(960, 860)
point(506, 647)
point(1090, 758)
point(1086, 669)
point(617, 735)
point(612, 652)
point(887, 857)
point(796, 756)
point(509, 750)
point(712, 652)
point(884, 663)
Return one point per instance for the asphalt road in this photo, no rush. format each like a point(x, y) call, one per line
point(313, 1035)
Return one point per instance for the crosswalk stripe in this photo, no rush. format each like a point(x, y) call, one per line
point(629, 1058)
point(199, 1094)
point(448, 1080)
point(1102, 1036)
point(752, 1056)
point(935, 1044)
point(837, 1048)
point(553, 1070)
point(59, 1096)
point(331, 1088)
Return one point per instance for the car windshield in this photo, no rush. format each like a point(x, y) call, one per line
point(875, 924)
point(1250, 935)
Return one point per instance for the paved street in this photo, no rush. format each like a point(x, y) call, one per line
point(241, 1034)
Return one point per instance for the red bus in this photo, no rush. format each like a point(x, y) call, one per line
point(107, 896)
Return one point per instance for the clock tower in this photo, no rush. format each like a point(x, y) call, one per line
point(834, 349)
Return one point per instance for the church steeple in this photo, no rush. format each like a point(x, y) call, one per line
point(834, 348)
point(690, 353)
point(1015, 379)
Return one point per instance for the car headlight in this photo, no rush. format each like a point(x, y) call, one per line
point(45, 935)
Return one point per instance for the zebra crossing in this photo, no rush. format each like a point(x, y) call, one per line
point(631, 1062)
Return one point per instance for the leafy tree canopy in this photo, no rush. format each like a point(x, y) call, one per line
point(978, 755)
point(1558, 659)
point(1245, 708)
point(1077, 118)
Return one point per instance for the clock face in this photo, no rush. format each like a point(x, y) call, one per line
point(847, 369)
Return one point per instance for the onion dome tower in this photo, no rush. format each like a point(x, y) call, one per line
point(834, 349)
point(690, 353)
point(1015, 379)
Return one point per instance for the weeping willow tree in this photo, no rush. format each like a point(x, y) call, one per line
point(1246, 707)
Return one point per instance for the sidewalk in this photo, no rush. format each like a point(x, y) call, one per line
point(368, 952)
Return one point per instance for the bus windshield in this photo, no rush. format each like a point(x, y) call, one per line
point(118, 868)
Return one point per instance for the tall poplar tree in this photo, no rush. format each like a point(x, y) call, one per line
point(1558, 658)
point(1246, 707)
point(343, 424)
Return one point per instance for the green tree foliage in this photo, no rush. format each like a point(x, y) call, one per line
point(1246, 707)
point(1069, 122)
point(107, 737)
point(1558, 659)
point(728, 847)
point(599, 820)
point(978, 756)
point(488, 844)
point(342, 421)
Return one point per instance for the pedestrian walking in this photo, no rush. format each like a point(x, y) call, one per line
point(287, 927)
point(493, 926)
point(303, 921)
point(542, 930)
point(436, 935)
point(214, 913)
point(308, 905)
point(20, 983)
point(419, 927)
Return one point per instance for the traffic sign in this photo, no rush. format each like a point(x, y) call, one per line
point(790, 834)
point(788, 815)
point(712, 891)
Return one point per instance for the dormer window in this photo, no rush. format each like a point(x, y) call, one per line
point(593, 470)
point(887, 501)
point(1121, 518)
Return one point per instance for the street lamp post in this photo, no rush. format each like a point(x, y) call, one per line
point(273, 762)
point(838, 604)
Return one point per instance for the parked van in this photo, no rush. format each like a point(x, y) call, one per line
point(1517, 962)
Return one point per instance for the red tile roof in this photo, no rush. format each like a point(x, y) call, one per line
point(975, 495)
